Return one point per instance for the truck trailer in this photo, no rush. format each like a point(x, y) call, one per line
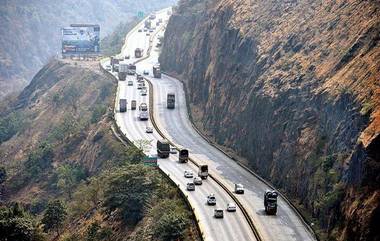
point(157, 71)
point(163, 148)
point(139, 52)
point(183, 156)
point(203, 171)
point(170, 101)
point(123, 105)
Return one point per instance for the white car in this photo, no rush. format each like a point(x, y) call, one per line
point(173, 150)
point(231, 207)
point(146, 72)
point(140, 86)
point(190, 186)
point(211, 200)
point(218, 213)
point(130, 83)
point(188, 174)
point(149, 129)
point(143, 92)
point(108, 68)
point(197, 181)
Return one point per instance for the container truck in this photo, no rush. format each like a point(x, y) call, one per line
point(163, 148)
point(270, 202)
point(133, 105)
point(123, 105)
point(139, 52)
point(156, 71)
point(131, 69)
point(183, 155)
point(203, 171)
point(170, 101)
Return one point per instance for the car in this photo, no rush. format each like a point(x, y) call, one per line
point(130, 82)
point(231, 207)
point(108, 68)
point(140, 30)
point(143, 92)
point(145, 29)
point(239, 188)
point(218, 213)
point(151, 31)
point(190, 186)
point(147, 34)
point(188, 174)
point(146, 72)
point(197, 181)
point(149, 129)
point(173, 150)
point(140, 86)
point(211, 200)
point(127, 57)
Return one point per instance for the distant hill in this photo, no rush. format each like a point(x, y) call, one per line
point(30, 31)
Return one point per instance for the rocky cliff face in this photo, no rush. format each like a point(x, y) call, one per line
point(293, 87)
point(30, 31)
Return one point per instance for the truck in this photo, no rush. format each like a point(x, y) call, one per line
point(147, 24)
point(123, 69)
point(203, 171)
point(170, 101)
point(131, 69)
point(183, 155)
point(163, 148)
point(270, 202)
point(157, 71)
point(133, 105)
point(122, 105)
point(139, 52)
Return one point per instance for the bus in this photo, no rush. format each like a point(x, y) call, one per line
point(163, 148)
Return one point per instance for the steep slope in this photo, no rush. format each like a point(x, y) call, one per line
point(56, 143)
point(30, 31)
point(292, 88)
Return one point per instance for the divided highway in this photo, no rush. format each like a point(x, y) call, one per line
point(176, 126)
point(234, 225)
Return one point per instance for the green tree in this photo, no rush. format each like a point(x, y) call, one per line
point(69, 176)
point(18, 225)
point(97, 113)
point(54, 216)
point(129, 190)
point(92, 232)
point(39, 160)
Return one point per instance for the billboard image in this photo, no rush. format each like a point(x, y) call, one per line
point(81, 39)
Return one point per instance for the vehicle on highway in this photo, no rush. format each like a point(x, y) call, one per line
point(211, 200)
point(170, 101)
point(149, 129)
point(143, 115)
point(143, 107)
point(122, 105)
point(127, 56)
point(218, 213)
point(197, 181)
point(188, 174)
point(270, 202)
point(183, 156)
point(146, 72)
point(163, 148)
point(147, 34)
point(173, 150)
point(139, 52)
point(190, 186)
point(157, 71)
point(151, 31)
point(203, 171)
point(140, 30)
point(139, 78)
point(130, 82)
point(143, 92)
point(231, 207)
point(145, 29)
point(239, 188)
point(133, 105)
point(108, 67)
point(140, 85)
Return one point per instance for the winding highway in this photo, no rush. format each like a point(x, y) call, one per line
point(176, 126)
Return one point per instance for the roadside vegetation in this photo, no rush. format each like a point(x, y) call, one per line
point(73, 180)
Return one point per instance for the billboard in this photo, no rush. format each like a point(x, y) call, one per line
point(81, 39)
